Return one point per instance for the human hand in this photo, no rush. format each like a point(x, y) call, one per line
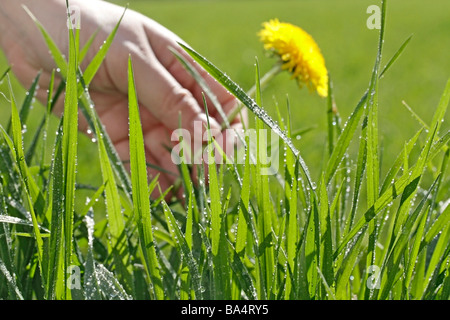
point(163, 86)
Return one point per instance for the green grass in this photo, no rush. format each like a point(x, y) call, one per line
point(368, 220)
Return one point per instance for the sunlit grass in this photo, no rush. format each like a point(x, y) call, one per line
point(354, 232)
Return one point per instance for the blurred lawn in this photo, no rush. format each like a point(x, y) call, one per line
point(225, 32)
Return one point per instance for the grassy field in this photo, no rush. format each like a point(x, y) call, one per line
point(358, 225)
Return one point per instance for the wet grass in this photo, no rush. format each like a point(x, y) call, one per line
point(348, 230)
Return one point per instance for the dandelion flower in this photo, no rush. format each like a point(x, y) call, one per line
point(299, 54)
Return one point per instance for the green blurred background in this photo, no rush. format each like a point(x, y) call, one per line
point(225, 32)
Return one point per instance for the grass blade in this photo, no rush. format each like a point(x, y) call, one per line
point(26, 105)
point(326, 244)
point(242, 229)
point(312, 249)
point(349, 261)
point(57, 55)
point(69, 150)
point(395, 56)
point(344, 139)
point(399, 161)
point(141, 201)
point(55, 283)
point(96, 62)
point(86, 47)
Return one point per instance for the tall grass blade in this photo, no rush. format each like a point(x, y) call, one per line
point(370, 131)
point(395, 56)
point(27, 103)
point(243, 275)
point(414, 253)
point(96, 62)
point(56, 53)
point(347, 266)
point(69, 150)
point(359, 176)
point(242, 228)
point(344, 139)
point(55, 282)
point(312, 249)
point(332, 116)
point(83, 52)
point(265, 225)
point(141, 201)
point(118, 236)
point(326, 244)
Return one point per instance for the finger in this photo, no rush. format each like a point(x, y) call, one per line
point(161, 40)
point(162, 165)
point(112, 110)
point(163, 96)
point(163, 183)
point(157, 143)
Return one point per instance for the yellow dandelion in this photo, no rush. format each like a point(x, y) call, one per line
point(299, 53)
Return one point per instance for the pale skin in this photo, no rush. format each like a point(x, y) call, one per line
point(165, 90)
